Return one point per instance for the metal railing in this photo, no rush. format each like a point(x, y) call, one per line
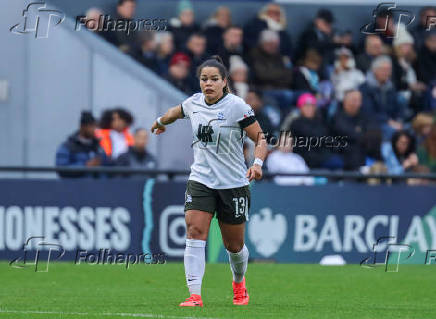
point(113, 170)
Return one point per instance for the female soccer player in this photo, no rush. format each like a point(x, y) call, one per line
point(219, 178)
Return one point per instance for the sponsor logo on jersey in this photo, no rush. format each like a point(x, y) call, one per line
point(204, 133)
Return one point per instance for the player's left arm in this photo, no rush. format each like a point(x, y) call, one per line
point(255, 133)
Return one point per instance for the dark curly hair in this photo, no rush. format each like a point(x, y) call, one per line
point(412, 143)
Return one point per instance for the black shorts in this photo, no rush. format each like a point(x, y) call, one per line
point(231, 205)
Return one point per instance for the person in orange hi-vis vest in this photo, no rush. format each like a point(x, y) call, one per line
point(115, 137)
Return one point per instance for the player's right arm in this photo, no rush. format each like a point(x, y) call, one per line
point(172, 115)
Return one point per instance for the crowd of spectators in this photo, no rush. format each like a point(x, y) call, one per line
point(107, 142)
point(378, 96)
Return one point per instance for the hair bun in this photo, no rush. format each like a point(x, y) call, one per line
point(217, 58)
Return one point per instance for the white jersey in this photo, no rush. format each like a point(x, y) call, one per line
point(218, 140)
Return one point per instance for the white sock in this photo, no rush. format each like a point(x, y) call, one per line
point(195, 262)
point(238, 263)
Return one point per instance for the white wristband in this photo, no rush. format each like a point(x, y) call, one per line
point(159, 122)
point(258, 161)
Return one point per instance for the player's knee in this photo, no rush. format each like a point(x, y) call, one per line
point(195, 232)
point(234, 247)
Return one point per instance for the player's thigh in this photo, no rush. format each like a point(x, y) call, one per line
point(200, 206)
point(232, 213)
point(233, 236)
point(197, 224)
point(233, 205)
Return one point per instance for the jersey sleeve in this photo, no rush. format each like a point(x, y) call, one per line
point(187, 107)
point(244, 115)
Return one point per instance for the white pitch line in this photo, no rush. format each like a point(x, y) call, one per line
point(126, 314)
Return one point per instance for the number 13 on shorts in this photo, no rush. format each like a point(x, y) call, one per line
point(241, 206)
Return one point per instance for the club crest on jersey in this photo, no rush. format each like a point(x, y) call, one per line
point(188, 198)
point(220, 116)
point(249, 113)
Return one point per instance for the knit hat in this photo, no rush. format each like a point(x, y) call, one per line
point(403, 36)
point(344, 51)
point(236, 63)
point(180, 57)
point(185, 5)
point(87, 118)
point(306, 98)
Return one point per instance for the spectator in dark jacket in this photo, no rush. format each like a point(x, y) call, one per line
point(183, 26)
point(427, 16)
point(137, 156)
point(232, 44)
point(269, 68)
point(319, 35)
point(311, 136)
point(383, 24)
point(94, 22)
point(164, 51)
point(215, 27)
point(81, 149)
point(426, 66)
point(254, 99)
point(147, 55)
point(373, 49)
point(178, 73)
point(126, 42)
point(380, 99)
point(271, 17)
point(306, 77)
point(196, 50)
point(350, 122)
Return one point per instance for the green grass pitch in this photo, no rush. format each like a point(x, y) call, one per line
point(276, 291)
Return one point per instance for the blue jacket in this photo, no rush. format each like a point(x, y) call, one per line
point(380, 103)
point(75, 152)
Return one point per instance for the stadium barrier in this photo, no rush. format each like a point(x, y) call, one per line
point(297, 224)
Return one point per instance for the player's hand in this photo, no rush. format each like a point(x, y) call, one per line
point(157, 129)
point(254, 172)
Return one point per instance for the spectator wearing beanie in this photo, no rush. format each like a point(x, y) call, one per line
point(238, 72)
point(179, 73)
point(403, 73)
point(306, 128)
point(345, 77)
point(183, 26)
point(214, 28)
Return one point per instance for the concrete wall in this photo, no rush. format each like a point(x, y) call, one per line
point(52, 79)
